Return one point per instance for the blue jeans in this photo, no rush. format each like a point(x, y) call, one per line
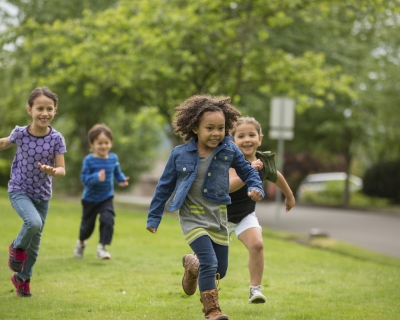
point(33, 213)
point(213, 259)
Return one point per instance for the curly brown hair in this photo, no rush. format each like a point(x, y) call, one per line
point(190, 112)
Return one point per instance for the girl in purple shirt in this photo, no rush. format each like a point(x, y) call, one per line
point(39, 157)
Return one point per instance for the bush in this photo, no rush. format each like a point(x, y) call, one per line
point(333, 194)
point(383, 180)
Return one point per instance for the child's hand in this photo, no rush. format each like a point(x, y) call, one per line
point(102, 175)
point(289, 202)
point(257, 164)
point(124, 183)
point(152, 229)
point(255, 195)
point(47, 169)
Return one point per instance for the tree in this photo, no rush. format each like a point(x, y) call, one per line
point(158, 53)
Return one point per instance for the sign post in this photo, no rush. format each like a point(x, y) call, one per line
point(281, 126)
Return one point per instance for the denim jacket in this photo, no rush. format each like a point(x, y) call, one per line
point(181, 169)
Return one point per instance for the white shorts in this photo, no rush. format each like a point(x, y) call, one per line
point(250, 221)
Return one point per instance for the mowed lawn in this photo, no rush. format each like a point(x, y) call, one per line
point(143, 278)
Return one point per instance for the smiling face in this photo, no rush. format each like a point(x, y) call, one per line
point(247, 139)
point(101, 146)
point(42, 112)
point(210, 131)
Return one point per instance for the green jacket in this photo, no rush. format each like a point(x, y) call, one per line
point(268, 160)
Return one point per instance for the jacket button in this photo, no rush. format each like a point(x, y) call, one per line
point(205, 190)
point(209, 174)
point(215, 158)
point(226, 158)
point(184, 169)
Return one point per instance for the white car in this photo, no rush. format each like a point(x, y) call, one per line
point(317, 182)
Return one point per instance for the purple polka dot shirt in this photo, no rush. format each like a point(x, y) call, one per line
point(25, 174)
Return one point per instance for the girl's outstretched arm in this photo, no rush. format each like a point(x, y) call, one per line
point(235, 183)
point(284, 187)
point(58, 170)
point(5, 143)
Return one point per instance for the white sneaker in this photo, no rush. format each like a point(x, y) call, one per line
point(102, 253)
point(256, 296)
point(79, 249)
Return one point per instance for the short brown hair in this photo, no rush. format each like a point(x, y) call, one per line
point(97, 130)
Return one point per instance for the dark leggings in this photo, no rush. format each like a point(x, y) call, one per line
point(213, 259)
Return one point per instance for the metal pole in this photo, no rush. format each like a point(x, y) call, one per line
point(278, 193)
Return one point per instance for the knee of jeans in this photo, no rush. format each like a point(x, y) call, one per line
point(35, 225)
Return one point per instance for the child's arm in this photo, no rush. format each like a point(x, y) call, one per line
point(165, 188)
point(235, 183)
point(119, 176)
point(5, 143)
point(58, 170)
point(284, 187)
point(89, 178)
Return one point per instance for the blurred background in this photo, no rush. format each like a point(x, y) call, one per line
point(128, 64)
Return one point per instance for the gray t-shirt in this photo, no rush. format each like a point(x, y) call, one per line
point(26, 176)
point(199, 217)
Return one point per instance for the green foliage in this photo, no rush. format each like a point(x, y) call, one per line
point(4, 172)
point(137, 139)
point(383, 180)
point(335, 58)
point(143, 278)
point(333, 195)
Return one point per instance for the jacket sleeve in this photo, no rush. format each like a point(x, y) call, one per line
point(246, 172)
point(268, 160)
point(164, 190)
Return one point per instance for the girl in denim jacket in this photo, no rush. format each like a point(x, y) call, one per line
point(197, 174)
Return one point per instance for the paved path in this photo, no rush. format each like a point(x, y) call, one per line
point(375, 231)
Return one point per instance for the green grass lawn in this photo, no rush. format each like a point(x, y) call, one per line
point(143, 278)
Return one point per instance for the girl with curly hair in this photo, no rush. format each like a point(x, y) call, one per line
point(197, 174)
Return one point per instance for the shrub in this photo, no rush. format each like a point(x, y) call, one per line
point(383, 180)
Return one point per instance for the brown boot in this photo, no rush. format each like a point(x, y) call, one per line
point(189, 280)
point(211, 308)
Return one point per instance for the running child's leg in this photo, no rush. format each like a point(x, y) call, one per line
point(107, 215)
point(42, 208)
point(32, 224)
point(203, 247)
point(88, 221)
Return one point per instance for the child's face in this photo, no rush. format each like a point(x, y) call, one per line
point(211, 130)
point(42, 112)
point(101, 146)
point(247, 139)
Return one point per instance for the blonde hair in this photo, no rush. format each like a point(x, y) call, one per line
point(250, 120)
